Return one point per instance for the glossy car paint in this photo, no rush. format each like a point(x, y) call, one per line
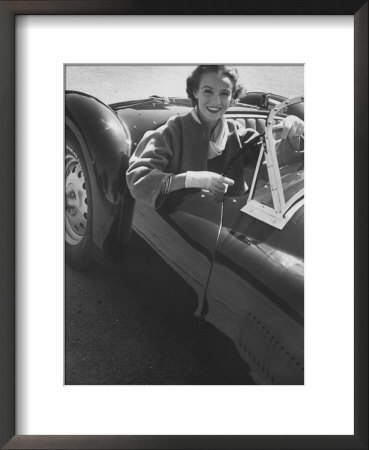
point(257, 283)
point(106, 147)
point(148, 114)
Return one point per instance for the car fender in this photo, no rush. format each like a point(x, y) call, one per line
point(105, 142)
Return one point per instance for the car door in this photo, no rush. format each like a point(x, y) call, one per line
point(184, 235)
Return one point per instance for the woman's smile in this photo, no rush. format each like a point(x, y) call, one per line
point(213, 109)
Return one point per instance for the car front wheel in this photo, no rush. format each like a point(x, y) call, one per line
point(78, 205)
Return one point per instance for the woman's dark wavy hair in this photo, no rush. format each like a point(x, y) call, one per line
point(193, 81)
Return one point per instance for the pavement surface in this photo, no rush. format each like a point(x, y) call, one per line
point(133, 323)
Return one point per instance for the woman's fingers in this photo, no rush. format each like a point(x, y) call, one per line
point(220, 190)
point(221, 184)
point(292, 126)
point(287, 126)
point(228, 181)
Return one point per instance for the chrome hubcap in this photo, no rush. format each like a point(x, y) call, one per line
point(76, 202)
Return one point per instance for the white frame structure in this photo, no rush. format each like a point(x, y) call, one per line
point(279, 215)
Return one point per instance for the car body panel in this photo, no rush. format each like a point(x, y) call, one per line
point(257, 282)
point(256, 276)
point(106, 147)
point(148, 114)
point(185, 237)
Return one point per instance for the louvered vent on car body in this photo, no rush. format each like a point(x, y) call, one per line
point(270, 360)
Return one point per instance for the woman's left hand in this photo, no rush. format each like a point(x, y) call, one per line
point(292, 126)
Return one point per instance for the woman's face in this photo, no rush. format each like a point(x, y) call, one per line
point(214, 96)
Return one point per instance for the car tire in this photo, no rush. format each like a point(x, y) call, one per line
point(78, 205)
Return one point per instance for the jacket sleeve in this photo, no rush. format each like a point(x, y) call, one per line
point(146, 176)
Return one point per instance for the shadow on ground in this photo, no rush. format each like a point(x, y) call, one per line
point(133, 323)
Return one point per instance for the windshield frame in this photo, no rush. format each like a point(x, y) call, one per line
point(282, 210)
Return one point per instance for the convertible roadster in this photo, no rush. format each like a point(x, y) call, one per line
point(243, 256)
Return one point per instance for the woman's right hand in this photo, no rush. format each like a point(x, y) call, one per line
point(213, 182)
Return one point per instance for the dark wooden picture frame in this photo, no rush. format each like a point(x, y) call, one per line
point(8, 10)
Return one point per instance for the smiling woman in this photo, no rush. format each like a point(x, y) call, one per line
point(213, 96)
point(212, 90)
point(192, 151)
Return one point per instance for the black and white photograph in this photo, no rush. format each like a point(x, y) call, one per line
point(184, 224)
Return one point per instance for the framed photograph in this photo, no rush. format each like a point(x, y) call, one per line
point(78, 77)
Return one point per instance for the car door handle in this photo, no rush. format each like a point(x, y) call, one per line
point(241, 237)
